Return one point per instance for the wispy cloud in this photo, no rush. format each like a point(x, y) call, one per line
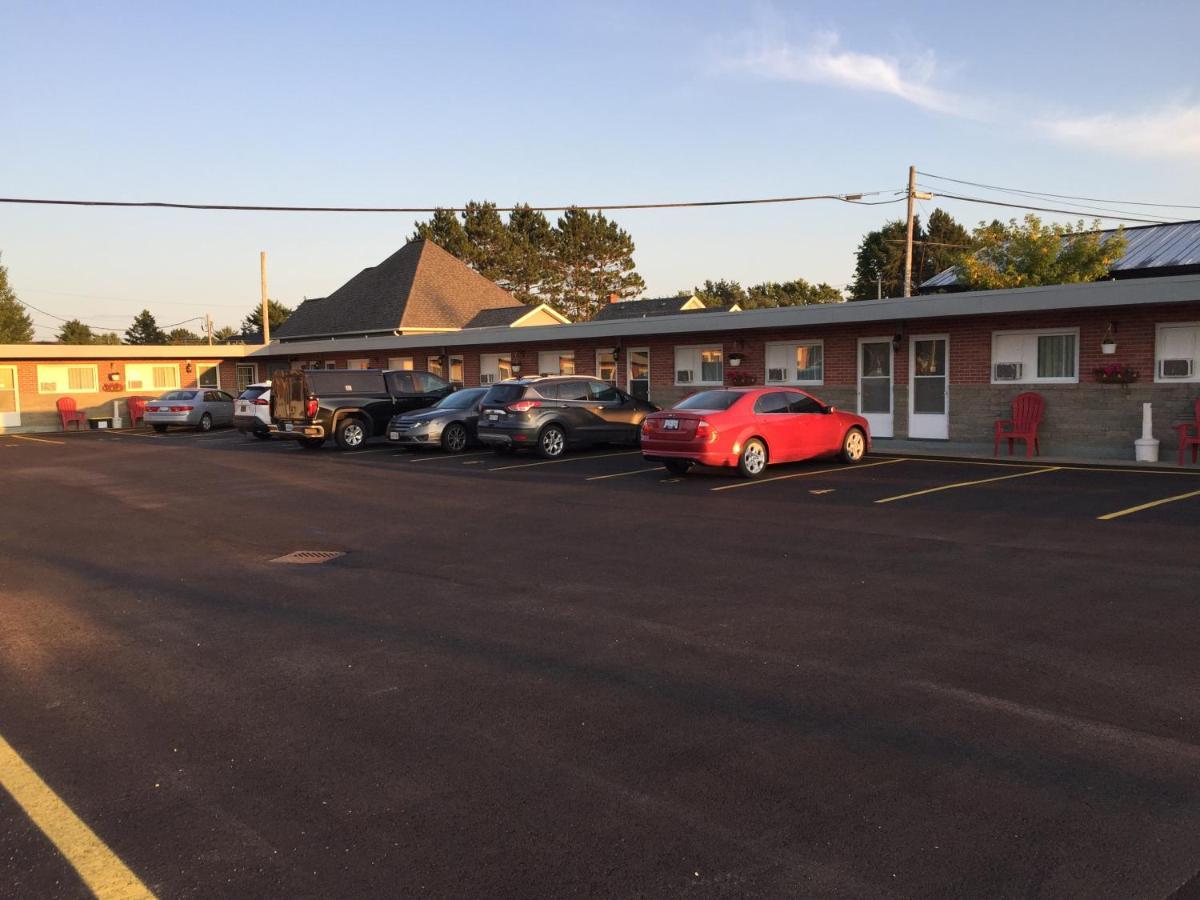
point(1167, 133)
point(821, 60)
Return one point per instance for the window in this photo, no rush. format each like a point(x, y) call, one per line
point(699, 365)
point(712, 400)
point(399, 362)
point(434, 365)
point(604, 393)
point(359, 364)
point(1177, 352)
point(1025, 357)
point(802, 403)
point(61, 379)
point(151, 377)
point(494, 367)
point(796, 363)
point(776, 402)
point(606, 365)
point(427, 383)
point(208, 375)
point(245, 375)
point(556, 362)
point(456, 369)
point(573, 390)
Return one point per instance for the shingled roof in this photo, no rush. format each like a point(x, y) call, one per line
point(420, 286)
point(641, 309)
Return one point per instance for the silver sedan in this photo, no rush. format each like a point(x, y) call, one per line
point(203, 408)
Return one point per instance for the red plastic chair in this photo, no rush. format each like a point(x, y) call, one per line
point(1189, 436)
point(68, 413)
point(1026, 417)
point(137, 410)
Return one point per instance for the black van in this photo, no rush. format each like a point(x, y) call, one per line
point(551, 414)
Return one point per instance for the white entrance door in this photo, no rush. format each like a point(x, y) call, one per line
point(637, 375)
point(875, 384)
point(10, 402)
point(929, 387)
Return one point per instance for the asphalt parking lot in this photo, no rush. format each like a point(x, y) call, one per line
point(912, 677)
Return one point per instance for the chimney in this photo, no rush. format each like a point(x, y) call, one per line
point(613, 298)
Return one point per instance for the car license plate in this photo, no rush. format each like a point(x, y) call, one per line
point(287, 426)
point(393, 435)
point(670, 424)
point(492, 417)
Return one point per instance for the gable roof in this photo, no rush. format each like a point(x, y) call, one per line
point(420, 286)
point(514, 316)
point(651, 306)
point(1170, 249)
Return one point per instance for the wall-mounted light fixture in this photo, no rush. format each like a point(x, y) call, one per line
point(187, 367)
point(897, 341)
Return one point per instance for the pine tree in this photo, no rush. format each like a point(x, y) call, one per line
point(182, 336)
point(75, 332)
point(277, 314)
point(225, 332)
point(531, 254)
point(107, 337)
point(445, 230)
point(593, 260)
point(145, 330)
point(489, 240)
point(16, 326)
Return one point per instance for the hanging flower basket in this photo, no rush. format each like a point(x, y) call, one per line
point(1115, 374)
point(736, 359)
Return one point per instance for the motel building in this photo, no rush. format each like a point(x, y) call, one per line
point(939, 368)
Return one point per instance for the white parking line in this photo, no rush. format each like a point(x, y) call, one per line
point(854, 468)
point(623, 474)
point(550, 462)
point(25, 437)
point(445, 457)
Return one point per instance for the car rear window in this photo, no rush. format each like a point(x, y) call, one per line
point(710, 400)
point(178, 395)
point(252, 393)
point(502, 394)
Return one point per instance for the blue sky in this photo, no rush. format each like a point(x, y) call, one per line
point(427, 104)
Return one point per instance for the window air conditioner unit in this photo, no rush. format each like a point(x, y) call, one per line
point(776, 375)
point(47, 387)
point(1175, 368)
point(1008, 371)
point(487, 378)
point(683, 376)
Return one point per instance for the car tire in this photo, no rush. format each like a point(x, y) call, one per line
point(678, 466)
point(753, 460)
point(262, 435)
point(552, 442)
point(854, 446)
point(205, 422)
point(312, 443)
point(159, 428)
point(351, 433)
point(454, 437)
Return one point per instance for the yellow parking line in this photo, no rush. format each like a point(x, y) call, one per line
point(550, 462)
point(962, 484)
point(855, 468)
point(445, 456)
point(99, 867)
point(623, 474)
point(25, 437)
point(1150, 505)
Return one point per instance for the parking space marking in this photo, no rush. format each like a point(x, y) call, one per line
point(25, 437)
point(145, 434)
point(97, 865)
point(1153, 503)
point(623, 474)
point(550, 462)
point(445, 457)
point(963, 484)
point(1124, 470)
point(757, 481)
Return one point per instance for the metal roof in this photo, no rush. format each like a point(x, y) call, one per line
point(1133, 292)
point(1174, 246)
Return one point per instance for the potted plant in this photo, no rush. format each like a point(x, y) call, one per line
point(740, 378)
point(1115, 373)
point(1108, 343)
point(736, 359)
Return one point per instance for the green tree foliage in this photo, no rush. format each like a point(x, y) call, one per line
point(768, 294)
point(107, 337)
point(75, 332)
point(277, 314)
point(145, 330)
point(1031, 253)
point(225, 332)
point(593, 260)
point(720, 293)
point(182, 336)
point(446, 230)
point(879, 260)
point(531, 259)
point(16, 326)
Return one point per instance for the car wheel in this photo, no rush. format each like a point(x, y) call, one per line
point(854, 446)
point(753, 460)
point(454, 438)
point(552, 442)
point(262, 435)
point(351, 433)
point(678, 466)
point(206, 422)
point(311, 443)
point(159, 428)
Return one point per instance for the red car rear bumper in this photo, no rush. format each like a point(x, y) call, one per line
point(702, 453)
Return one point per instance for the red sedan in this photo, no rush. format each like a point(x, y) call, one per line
point(750, 427)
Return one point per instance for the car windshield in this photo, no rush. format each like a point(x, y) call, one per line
point(710, 400)
point(178, 395)
point(461, 399)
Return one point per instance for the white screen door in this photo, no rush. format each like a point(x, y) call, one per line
point(875, 384)
point(929, 387)
point(10, 402)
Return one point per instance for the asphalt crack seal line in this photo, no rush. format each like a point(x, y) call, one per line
point(104, 874)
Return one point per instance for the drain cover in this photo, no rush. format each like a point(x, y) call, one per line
point(308, 557)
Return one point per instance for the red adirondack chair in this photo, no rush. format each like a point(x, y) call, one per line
point(1189, 436)
point(137, 410)
point(1026, 417)
point(68, 413)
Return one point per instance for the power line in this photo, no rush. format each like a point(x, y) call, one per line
point(1029, 193)
point(129, 299)
point(850, 197)
point(1069, 212)
point(99, 327)
point(1099, 211)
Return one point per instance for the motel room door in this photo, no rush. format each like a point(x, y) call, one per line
point(929, 387)
point(10, 403)
point(875, 384)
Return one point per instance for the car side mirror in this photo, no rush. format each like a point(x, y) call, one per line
point(830, 409)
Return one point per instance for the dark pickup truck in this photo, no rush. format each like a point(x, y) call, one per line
point(349, 405)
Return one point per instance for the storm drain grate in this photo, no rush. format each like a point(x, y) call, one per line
point(308, 557)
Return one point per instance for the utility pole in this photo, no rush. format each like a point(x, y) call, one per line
point(208, 327)
point(266, 323)
point(908, 241)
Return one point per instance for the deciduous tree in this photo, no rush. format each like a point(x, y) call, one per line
point(75, 332)
point(1031, 253)
point(182, 336)
point(16, 326)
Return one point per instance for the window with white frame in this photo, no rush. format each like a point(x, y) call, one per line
point(699, 365)
point(245, 374)
point(1035, 357)
point(456, 369)
point(796, 363)
point(359, 364)
point(606, 365)
point(150, 377)
point(494, 367)
point(404, 363)
point(434, 364)
point(208, 375)
point(1177, 352)
point(556, 362)
point(61, 379)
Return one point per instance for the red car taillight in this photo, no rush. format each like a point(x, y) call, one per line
point(310, 408)
point(705, 431)
point(261, 402)
point(649, 425)
point(150, 409)
point(181, 409)
point(523, 405)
